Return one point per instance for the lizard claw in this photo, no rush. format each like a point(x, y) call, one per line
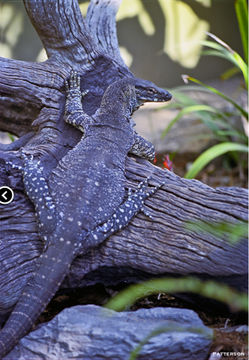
point(84, 92)
point(145, 212)
point(73, 86)
point(141, 194)
point(14, 166)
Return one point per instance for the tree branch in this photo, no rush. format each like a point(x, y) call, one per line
point(62, 30)
point(101, 20)
point(34, 92)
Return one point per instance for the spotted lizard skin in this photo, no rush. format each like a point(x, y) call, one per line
point(82, 203)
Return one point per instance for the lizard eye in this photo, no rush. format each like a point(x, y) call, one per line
point(151, 91)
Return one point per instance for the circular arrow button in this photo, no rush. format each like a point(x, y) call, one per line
point(6, 195)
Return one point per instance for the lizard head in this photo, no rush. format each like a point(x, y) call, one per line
point(146, 91)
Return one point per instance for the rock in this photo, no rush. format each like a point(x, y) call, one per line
point(92, 332)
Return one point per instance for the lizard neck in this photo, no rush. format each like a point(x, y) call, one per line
point(119, 102)
point(112, 137)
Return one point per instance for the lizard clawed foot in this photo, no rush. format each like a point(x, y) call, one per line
point(24, 157)
point(73, 86)
point(123, 215)
point(14, 166)
point(137, 198)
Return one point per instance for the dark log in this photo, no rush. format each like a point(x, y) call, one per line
point(145, 248)
point(32, 97)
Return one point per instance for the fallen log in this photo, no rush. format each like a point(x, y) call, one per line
point(145, 248)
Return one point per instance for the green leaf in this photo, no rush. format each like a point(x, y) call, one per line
point(229, 73)
point(238, 134)
point(241, 9)
point(195, 108)
point(11, 137)
point(224, 55)
point(162, 330)
point(243, 67)
point(209, 289)
point(211, 154)
point(243, 112)
point(184, 99)
point(224, 50)
point(233, 232)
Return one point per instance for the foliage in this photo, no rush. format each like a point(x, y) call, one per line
point(241, 9)
point(211, 154)
point(11, 137)
point(220, 122)
point(232, 232)
point(237, 301)
point(221, 49)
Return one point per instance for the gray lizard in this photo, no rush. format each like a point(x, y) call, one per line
point(82, 203)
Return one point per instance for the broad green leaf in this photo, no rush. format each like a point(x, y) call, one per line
point(211, 154)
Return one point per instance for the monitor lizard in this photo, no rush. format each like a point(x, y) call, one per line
point(82, 202)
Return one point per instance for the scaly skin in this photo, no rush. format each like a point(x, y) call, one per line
point(82, 203)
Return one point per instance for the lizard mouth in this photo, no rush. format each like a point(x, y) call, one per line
point(160, 98)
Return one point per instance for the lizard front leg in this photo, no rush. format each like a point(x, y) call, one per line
point(142, 148)
point(122, 216)
point(74, 113)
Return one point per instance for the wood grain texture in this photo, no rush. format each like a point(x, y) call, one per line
point(62, 30)
point(145, 248)
point(101, 21)
point(32, 99)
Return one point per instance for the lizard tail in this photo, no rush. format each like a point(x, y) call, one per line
point(36, 295)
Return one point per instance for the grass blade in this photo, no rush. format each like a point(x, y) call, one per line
point(190, 109)
point(211, 154)
point(242, 16)
point(243, 112)
point(225, 51)
point(230, 73)
point(210, 289)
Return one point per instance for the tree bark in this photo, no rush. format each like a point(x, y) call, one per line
point(32, 98)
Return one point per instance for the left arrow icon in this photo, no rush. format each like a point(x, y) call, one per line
point(6, 195)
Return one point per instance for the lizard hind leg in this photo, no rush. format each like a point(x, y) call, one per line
point(37, 190)
point(123, 215)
